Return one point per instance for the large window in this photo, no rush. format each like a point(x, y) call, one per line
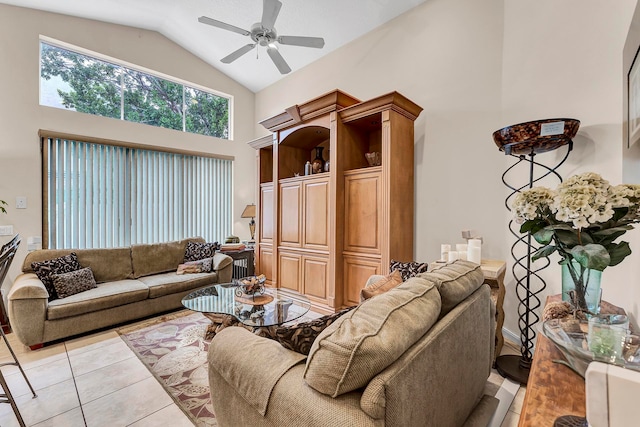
point(101, 195)
point(87, 84)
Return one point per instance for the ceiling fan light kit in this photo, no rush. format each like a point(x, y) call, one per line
point(264, 34)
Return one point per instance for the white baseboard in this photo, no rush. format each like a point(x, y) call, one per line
point(514, 338)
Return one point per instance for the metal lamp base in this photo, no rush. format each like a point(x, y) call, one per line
point(511, 366)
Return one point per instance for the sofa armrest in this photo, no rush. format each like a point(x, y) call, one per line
point(240, 357)
point(223, 265)
point(28, 302)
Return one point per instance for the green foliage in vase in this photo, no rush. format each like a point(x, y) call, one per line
point(581, 219)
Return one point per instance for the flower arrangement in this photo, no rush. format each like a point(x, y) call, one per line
point(581, 220)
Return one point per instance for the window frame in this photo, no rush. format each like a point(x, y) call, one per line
point(141, 69)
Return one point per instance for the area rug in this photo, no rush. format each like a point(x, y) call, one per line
point(174, 349)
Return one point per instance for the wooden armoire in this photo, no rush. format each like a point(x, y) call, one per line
point(323, 235)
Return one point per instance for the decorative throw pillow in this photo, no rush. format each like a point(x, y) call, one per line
point(408, 269)
point(196, 251)
point(381, 285)
point(300, 337)
point(189, 268)
point(74, 282)
point(45, 269)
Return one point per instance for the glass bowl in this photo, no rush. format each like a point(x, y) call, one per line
point(570, 336)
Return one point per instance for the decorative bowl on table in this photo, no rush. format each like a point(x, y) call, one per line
point(571, 338)
point(538, 136)
point(250, 286)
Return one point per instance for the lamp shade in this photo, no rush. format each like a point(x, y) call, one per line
point(249, 211)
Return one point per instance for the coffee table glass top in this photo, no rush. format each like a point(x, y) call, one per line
point(269, 309)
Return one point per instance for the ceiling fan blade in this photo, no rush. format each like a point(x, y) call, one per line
point(224, 26)
point(237, 54)
point(270, 11)
point(317, 42)
point(277, 59)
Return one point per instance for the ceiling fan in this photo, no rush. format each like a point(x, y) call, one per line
point(263, 33)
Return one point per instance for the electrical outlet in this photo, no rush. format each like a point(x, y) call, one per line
point(6, 230)
point(21, 202)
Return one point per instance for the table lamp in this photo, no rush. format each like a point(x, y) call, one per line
point(250, 212)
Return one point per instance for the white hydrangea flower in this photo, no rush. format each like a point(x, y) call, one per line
point(531, 203)
point(584, 200)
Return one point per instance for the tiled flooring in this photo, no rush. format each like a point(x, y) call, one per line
point(96, 381)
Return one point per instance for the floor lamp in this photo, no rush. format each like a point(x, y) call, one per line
point(524, 141)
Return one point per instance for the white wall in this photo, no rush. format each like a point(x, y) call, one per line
point(476, 67)
point(21, 116)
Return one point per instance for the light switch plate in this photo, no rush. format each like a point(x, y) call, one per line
point(6, 230)
point(21, 202)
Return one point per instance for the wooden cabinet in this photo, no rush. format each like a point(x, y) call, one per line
point(323, 235)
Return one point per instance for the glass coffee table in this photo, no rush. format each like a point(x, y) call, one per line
point(226, 305)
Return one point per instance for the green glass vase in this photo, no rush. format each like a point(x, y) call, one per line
point(581, 287)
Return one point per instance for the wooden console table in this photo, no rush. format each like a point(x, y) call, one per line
point(243, 263)
point(554, 389)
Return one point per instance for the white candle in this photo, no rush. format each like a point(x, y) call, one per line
point(475, 243)
point(462, 254)
point(474, 254)
point(444, 252)
point(453, 255)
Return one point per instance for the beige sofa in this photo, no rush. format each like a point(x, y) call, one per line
point(133, 282)
point(417, 355)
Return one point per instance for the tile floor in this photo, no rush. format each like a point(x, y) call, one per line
point(96, 380)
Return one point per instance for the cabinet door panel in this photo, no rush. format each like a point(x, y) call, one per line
point(314, 272)
point(316, 215)
point(266, 214)
point(362, 213)
point(289, 268)
point(266, 263)
point(290, 206)
point(356, 273)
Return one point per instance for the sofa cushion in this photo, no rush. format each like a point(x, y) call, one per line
point(204, 265)
point(363, 342)
point(300, 337)
point(455, 282)
point(107, 264)
point(170, 283)
point(195, 251)
point(381, 285)
point(74, 282)
point(47, 268)
point(105, 295)
point(408, 269)
point(157, 258)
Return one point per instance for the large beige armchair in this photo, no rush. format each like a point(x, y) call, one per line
point(417, 355)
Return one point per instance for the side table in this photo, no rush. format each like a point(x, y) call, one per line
point(243, 262)
point(494, 271)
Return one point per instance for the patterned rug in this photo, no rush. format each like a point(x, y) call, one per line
point(174, 349)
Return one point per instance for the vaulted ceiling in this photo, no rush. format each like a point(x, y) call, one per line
point(337, 21)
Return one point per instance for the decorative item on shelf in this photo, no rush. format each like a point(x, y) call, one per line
point(580, 220)
point(524, 141)
point(373, 158)
point(606, 337)
point(253, 285)
point(444, 252)
point(327, 164)
point(249, 212)
point(474, 250)
point(317, 165)
point(307, 168)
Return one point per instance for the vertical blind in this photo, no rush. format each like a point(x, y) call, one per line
point(101, 195)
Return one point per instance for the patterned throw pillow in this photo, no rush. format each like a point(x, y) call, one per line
point(74, 282)
point(408, 269)
point(382, 285)
point(45, 269)
point(300, 337)
point(196, 251)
